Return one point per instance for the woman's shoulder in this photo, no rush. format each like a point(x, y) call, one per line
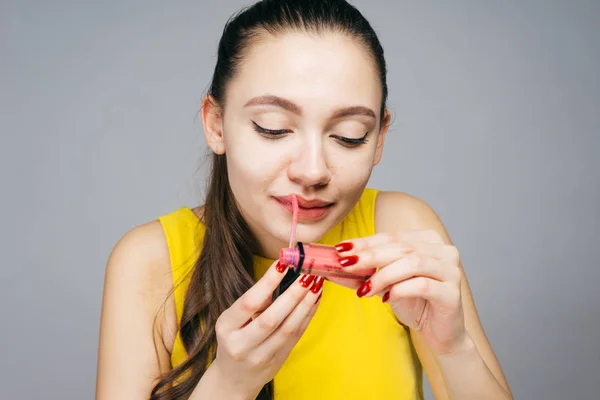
point(138, 271)
point(396, 211)
point(144, 248)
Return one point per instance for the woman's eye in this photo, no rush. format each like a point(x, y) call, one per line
point(343, 140)
point(352, 142)
point(269, 132)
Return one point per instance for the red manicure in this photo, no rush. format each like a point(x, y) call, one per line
point(348, 261)
point(306, 280)
point(344, 246)
point(364, 289)
point(317, 285)
point(386, 297)
point(280, 267)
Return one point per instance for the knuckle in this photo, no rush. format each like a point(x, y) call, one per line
point(247, 305)
point(415, 260)
point(396, 292)
point(257, 360)
point(235, 352)
point(423, 286)
point(273, 280)
point(367, 256)
point(452, 253)
point(266, 322)
point(288, 331)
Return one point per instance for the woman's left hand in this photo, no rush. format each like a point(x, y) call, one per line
point(419, 277)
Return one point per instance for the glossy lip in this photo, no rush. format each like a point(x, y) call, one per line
point(308, 209)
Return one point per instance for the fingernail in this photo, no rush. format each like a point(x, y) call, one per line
point(386, 297)
point(364, 289)
point(306, 280)
point(318, 284)
point(344, 246)
point(280, 267)
point(348, 261)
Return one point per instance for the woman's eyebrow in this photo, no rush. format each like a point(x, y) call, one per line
point(296, 109)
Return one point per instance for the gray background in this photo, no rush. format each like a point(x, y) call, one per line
point(497, 126)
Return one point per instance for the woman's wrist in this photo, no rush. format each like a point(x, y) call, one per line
point(462, 348)
point(215, 384)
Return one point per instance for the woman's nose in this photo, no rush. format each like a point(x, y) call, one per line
point(309, 165)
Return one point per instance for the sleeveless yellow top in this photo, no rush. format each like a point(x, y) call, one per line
point(354, 348)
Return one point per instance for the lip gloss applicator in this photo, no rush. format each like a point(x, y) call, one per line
point(295, 211)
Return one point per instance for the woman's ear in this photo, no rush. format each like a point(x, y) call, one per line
point(212, 120)
point(385, 124)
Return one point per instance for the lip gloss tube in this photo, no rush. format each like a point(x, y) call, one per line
point(319, 259)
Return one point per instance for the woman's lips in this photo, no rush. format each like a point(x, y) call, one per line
point(307, 209)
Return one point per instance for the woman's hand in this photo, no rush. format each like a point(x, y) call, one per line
point(419, 276)
point(255, 336)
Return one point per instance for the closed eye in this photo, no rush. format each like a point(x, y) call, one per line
point(270, 132)
point(345, 141)
point(351, 142)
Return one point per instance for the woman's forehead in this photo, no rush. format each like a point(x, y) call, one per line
point(307, 67)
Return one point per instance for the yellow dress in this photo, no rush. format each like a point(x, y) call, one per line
point(354, 348)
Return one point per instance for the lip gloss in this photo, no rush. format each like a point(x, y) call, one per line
point(319, 259)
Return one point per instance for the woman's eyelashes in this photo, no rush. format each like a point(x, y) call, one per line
point(269, 132)
point(278, 133)
point(351, 142)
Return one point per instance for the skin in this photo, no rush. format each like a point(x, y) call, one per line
point(312, 77)
point(312, 74)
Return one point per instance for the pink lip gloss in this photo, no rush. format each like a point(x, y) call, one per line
point(319, 259)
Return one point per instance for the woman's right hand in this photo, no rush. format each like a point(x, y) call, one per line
point(255, 335)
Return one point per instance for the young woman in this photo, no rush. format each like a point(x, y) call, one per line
point(297, 106)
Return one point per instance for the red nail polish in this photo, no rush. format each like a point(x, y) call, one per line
point(280, 267)
point(344, 246)
point(306, 280)
point(386, 297)
point(318, 284)
point(364, 289)
point(348, 261)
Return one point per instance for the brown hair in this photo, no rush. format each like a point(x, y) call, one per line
point(224, 269)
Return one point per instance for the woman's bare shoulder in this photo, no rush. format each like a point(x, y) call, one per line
point(398, 211)
point(148, 267)
point(138, 316)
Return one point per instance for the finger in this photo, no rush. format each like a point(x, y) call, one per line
point(290, 331)
point(383, 238)
point(253, 300)
point(381, 256)
point(358, 244)
point(408, 267)
point(421, 287)
point(268, 321)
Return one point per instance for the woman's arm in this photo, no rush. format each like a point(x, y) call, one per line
point(132, 354)
point(134, 351)
point(474, 372)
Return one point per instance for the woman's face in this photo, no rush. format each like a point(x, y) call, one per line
point(302, 116)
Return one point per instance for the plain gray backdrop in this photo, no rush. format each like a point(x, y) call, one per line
point(496, 124)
